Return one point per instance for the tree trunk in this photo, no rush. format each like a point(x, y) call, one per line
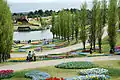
point(53, 36)
point(72, 36)
point(91, 44)
point(68, 39)
point(99, 43)
point(119, 25)
point(84, 45)
point(94, 44)
point(3, 57)
point(0, 58)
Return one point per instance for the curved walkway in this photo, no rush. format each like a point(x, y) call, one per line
point(55, 51)
point(61, 50)
point(30, 65)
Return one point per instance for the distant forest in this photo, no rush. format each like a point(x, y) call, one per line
point(41, 13)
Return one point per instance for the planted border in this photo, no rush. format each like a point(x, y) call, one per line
point(76, 65)
point(6, 74)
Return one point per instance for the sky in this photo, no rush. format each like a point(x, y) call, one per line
point(46, 1)
point(32, 5)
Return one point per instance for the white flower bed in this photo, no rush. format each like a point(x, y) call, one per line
point(93, 71)
point(89, 77)
point(37, 75)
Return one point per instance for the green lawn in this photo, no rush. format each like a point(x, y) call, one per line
point(105, 43)
point(7, 63)
point(113, 67)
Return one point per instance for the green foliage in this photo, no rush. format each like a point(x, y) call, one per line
point(112, 20)
point(61, 25)
point(83, 30)
point(119, 13)
point(93, 28)
point(77, 24)
point(6, 31)
point(100, 23)
point(113, 72)
point(53, 24)
point(76, 65)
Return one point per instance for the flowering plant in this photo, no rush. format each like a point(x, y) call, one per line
point(17, 59)
point(93, 71)
point(6, 74)
point(89, 77)
point(37, 75)
point(76, 65)
point(54, 78)
point(86, 51)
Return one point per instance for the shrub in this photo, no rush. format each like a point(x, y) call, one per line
point(6, 74)
point(37, 75)
point(76, 65)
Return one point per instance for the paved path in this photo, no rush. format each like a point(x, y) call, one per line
point(61, 50)
point(30, 65)
point(55, 51)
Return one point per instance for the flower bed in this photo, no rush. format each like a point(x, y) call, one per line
point(95, 55)
point(93, 71)
point(21, 50)
point(89, 77)
point(76, 65)
point(6, 74)
point(17, 60)
point(86, 51)
point(26, 47)
point(35, 43)
point(54, 78)
point(37, 75)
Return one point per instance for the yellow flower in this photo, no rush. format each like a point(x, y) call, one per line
point(17, 58)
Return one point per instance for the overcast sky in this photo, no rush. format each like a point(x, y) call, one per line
point(47, 1)
point(32, 5)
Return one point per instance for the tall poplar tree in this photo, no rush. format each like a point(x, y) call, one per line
point(99, 21)
point(83, 22)
point(53, 25)
point(77, 25)
point(93, 24)
point(6, 31)
point(112, 20)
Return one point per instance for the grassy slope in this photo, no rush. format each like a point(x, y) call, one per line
point(105, 43)
point(112, 66)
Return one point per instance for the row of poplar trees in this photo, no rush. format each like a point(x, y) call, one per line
point(6, 31)
point(69, 26)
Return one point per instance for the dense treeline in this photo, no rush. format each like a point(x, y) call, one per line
point(41, 13)
point(85, 25)
point(6, 31)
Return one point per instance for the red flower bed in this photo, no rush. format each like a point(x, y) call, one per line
point(86, 51)
point(54, 78)
point(6, 73)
